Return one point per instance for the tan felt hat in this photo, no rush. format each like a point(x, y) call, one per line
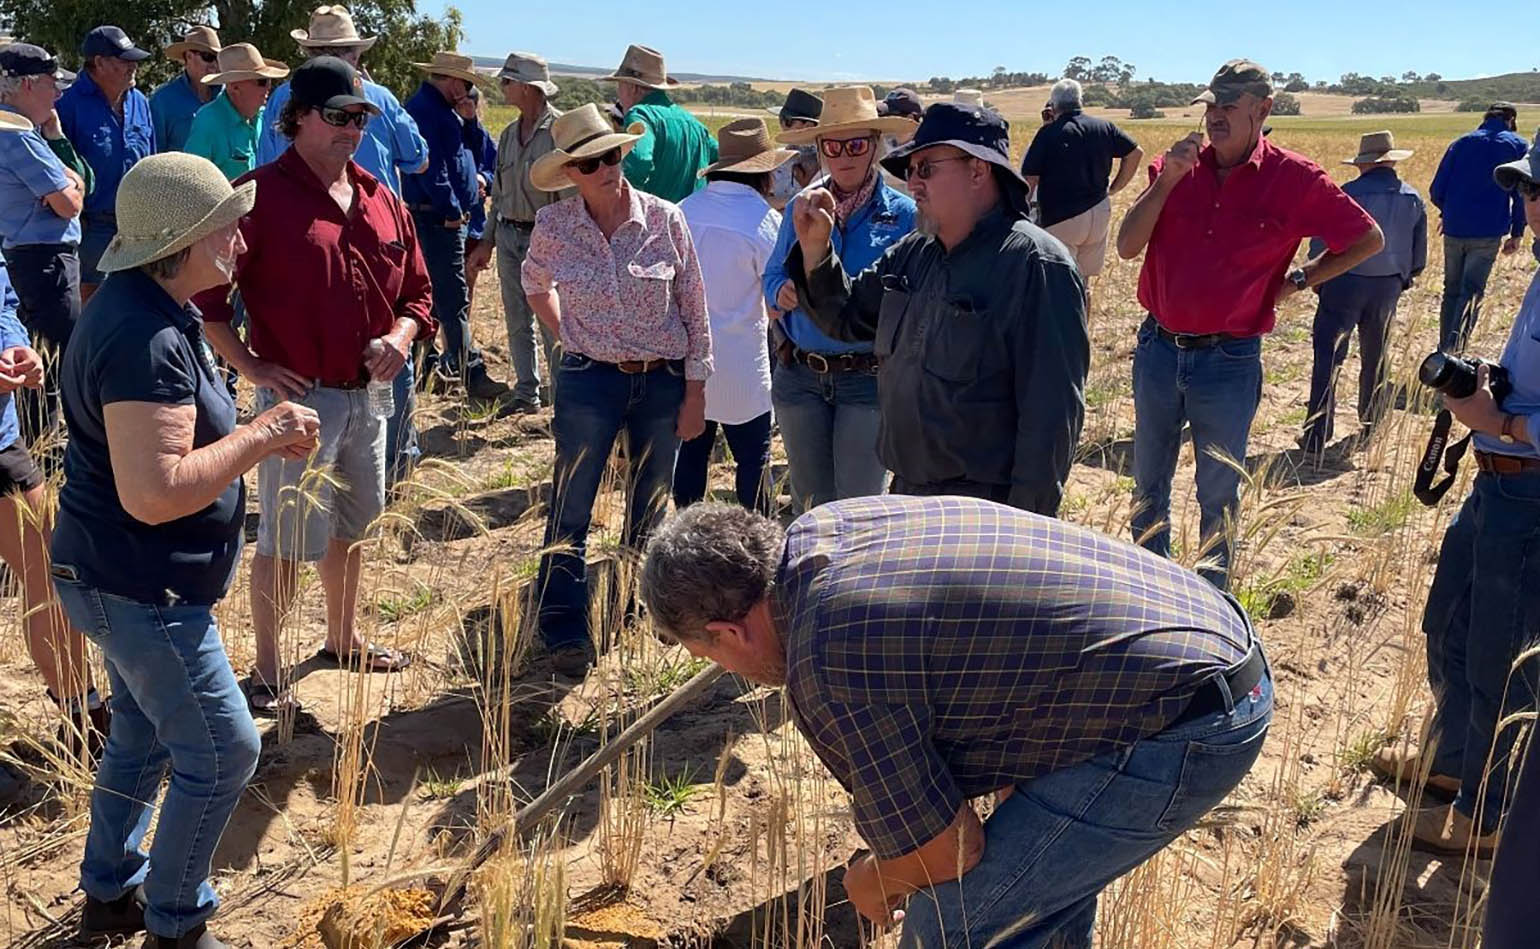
point(582, 133)
point(744, 146)
point(849, 109)
point(241, 61)
point(643, 66)
point(202, 39)
point(169, 202)
point(332, 26)
point(455, 66)
point(529, 69)
point(1375, 147)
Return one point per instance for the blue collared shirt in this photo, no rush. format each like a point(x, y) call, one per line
point(1398, 209)
point(11, 334)
point(1521, 357)
point(172, 107)
point(484, 151)
point(1472, 204)
point(449, 181)
point(392, 146)
point(110, 145)
point(29, 170)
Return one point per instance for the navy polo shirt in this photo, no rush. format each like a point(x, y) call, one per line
point(135, 344)
point(1072, 156)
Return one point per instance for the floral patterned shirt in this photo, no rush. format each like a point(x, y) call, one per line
point(637, 295)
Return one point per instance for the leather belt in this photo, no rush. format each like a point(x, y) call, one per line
point(1240, 680)
point(1193, 341)
point(635, 367)
point(346, 386)
point(1493, 463)
point(834, 362)
point(518, 225)
point(422, 208)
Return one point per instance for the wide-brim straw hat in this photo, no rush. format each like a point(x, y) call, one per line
point(643, 66)
point(239, 62)
point(744, 147)
point(455, 66)
point(167, 203)
point(582, 133)
point(14, 122)
point(530, 69)
point(848, 109)
point(1375, 147)
point(332, 26)
point(202, 39)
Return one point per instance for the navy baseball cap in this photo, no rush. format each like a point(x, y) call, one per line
point(327, 82)
point(21, 60)
point(111, 41)
point(901, 101)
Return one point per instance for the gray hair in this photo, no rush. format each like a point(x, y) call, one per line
point(167, 268)
point(9, 86)
point(710, 562)
point(1065, 95)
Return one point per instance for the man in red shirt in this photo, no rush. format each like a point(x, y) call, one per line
point(336, 291)
point(1219, 227)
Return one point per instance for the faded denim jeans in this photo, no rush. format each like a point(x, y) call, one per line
point(1467, 265)
point(829, 426)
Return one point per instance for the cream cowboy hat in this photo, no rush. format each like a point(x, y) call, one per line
point(167, 203)
point(1375, 147)
point(14, 122)
point(744, 146)
point(455, 66)
point(241, 61)
point(332, 26)
point(643, 66)
point(582, 133)
point(849, 109)
point(202, 39)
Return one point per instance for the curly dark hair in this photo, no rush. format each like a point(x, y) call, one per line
point(288, 119)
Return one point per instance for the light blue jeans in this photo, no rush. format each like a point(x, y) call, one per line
point(175, 702)
point(829, 427)
point(1467, 265)
point(1057, 842)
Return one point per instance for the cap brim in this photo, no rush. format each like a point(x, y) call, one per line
point(881, 125)
point(897, 161)
point(544, 85)
point(342, 102)
point(548, 174)
point(1508, 176)
point(134, 55)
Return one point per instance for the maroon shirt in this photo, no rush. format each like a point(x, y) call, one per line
point(318, 284)
point(1220, 251)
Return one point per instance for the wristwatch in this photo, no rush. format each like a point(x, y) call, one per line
point(1298, 277)
point(1507, 432)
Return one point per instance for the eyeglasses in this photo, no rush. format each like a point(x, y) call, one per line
point(342, 118)
point(1529, 188)
point(924, 169)
point(590, 165)
point(209, 59)
point(854, 147)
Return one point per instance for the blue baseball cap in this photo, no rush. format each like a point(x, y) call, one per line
point(111, 41)
point(21, 60)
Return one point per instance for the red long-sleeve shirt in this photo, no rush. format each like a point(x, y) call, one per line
point(318, 284)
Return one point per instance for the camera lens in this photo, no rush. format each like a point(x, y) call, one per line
point(1435, 370)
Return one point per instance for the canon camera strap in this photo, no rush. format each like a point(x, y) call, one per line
point(1426, 491)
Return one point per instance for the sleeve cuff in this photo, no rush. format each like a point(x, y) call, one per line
point(1532, 430)
point(697, 370)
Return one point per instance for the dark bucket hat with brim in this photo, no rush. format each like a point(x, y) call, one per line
point(1525, 169)
point(980, 132)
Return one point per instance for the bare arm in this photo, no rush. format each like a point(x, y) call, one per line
point(1329, 265)
point(876, 887)
point(67, 203)
point(1139, 223)
point(227, 343)
point(1128, 166)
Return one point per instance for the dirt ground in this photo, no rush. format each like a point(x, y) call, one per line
point(1335, 561)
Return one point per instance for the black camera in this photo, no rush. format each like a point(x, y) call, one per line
point(1456, 377)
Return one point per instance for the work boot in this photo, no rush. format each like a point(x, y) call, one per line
point(123, 916)
point(198, 937)
point(479, 385)
point(1403, 767)
point(1443, 829)
point(572, 662)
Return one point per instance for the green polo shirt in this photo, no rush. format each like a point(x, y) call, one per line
point(669, 156)
point(224, 138)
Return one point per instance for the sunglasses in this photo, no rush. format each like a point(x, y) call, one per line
point(854, 147)
point(924, 169)
point(1529, 188)
point(208, 58)
point(263, 82)
point(590, 165)
point(342, 118)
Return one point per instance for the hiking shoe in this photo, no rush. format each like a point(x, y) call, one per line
point(1443, 829)
point(1403, 767)
point(572, 662)
point(198, 937)
point(482, 386)
point(123, 916)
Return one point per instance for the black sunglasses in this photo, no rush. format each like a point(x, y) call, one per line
point(208, 58)
point(590, 165)
point(924, 168)
point(1528, 188)
point(342, 118)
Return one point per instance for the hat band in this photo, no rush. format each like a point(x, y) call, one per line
point(584, 141)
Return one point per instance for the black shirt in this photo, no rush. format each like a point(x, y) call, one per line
point(1072, 156)
point(135, 344)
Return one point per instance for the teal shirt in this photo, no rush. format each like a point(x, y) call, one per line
point(676, 146)
point(224, 138)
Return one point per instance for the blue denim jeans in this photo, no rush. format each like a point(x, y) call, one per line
point(174, 702)
point(1467, 265)
point(1057, 842)
point(1510, 922)
point(1215, 390)
point(749, 443)
point(829, 427)
point(1348, 302)
point(596, 402)
point(443, 250)
point(1483, 609)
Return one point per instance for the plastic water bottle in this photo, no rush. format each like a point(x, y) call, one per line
point(381, 393)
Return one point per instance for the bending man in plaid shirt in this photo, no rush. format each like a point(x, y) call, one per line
point(936, 650)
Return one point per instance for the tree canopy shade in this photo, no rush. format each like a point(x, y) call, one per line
point(404, 35)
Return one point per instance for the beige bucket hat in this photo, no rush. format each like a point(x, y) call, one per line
point(202, 39)
point(744, 145)
point(14, 122)
point(454, 65)
point(643, 66)
point(332, 26)
point(582, 133)
point(530, 69)
point(169, 202)
point(1376, 147)
point(242, 61)
point(849, 109)
point(968, 98)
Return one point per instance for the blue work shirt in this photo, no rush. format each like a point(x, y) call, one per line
point(1398, 209)
point(1463, 190)
point(392, 146)
point(1521, 357)
point(886, 218)
point(110, 145)
point(172, 107)
point(484, 151)
point(29, 170)
point(12, 333)
point(448, 184)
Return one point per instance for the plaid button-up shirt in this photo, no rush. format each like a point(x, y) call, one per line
point(940, 648)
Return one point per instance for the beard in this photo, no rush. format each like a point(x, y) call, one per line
point(925, 224)
point(771, 672)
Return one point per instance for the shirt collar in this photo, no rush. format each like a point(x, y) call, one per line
point(656, 97)
point(1381, 175)
point(87, 85)
point(292, 164)
point(1494, 125)
point(1263, 148)
point(145, 290)
point(638, 209)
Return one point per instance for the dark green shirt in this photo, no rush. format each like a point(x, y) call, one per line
point(983, 354)
point(675, 147)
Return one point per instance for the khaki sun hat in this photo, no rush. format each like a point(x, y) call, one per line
point(643, 66)
point(968, 98)
point(332, 26)
point(582, 133)
point(455, 66)
point(241, 61)
point(167, 203)
point(202, 39)
point(1376, 147)
point(849, 109)
point(530, 69)
point(744, 146)
point(14, 122)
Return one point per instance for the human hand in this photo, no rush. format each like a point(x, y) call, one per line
point(51, 127)
point(786, 297)
point(480, 258)
point(814, 222)
point(692, 415)
point(1480, 411)
point(284, 381)
point(1182, 157)
point(26, 363)
point(863, 885)
point(1001, 794)
point(385, 355)
point(1511, 246)
point(293, 430)
point(11, 378)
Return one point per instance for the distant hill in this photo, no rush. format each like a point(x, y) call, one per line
point(1514, 87)
point(567, 69)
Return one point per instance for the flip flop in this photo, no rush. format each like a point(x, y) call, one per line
point(264, 700)
point(376, 658)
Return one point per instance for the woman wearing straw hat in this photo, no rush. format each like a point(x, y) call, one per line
point(734, 230)
point(825, 390)
point(226, 130)
point(148, 540)
point(612, 272)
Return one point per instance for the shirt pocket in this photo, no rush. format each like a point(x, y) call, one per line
point(890, 318)
point(955, 343)
point(651, 285)
point(389, 268)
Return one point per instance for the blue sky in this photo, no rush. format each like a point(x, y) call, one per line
point(910, 39)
